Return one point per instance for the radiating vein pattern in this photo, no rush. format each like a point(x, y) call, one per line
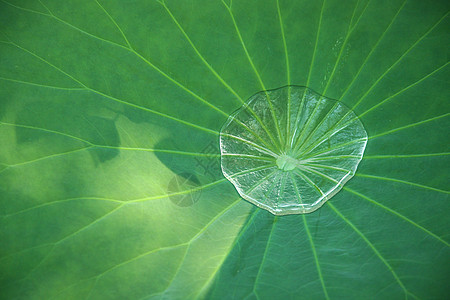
point(316, 133)
point(111, 184)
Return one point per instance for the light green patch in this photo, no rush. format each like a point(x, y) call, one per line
point(286, 162)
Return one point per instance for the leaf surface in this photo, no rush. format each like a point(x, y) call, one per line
point(110, 180)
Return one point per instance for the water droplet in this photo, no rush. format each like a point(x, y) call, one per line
point(290, 149)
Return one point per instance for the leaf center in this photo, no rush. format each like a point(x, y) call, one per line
point(286, 162)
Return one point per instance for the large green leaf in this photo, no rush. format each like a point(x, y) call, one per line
point(110, 181)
